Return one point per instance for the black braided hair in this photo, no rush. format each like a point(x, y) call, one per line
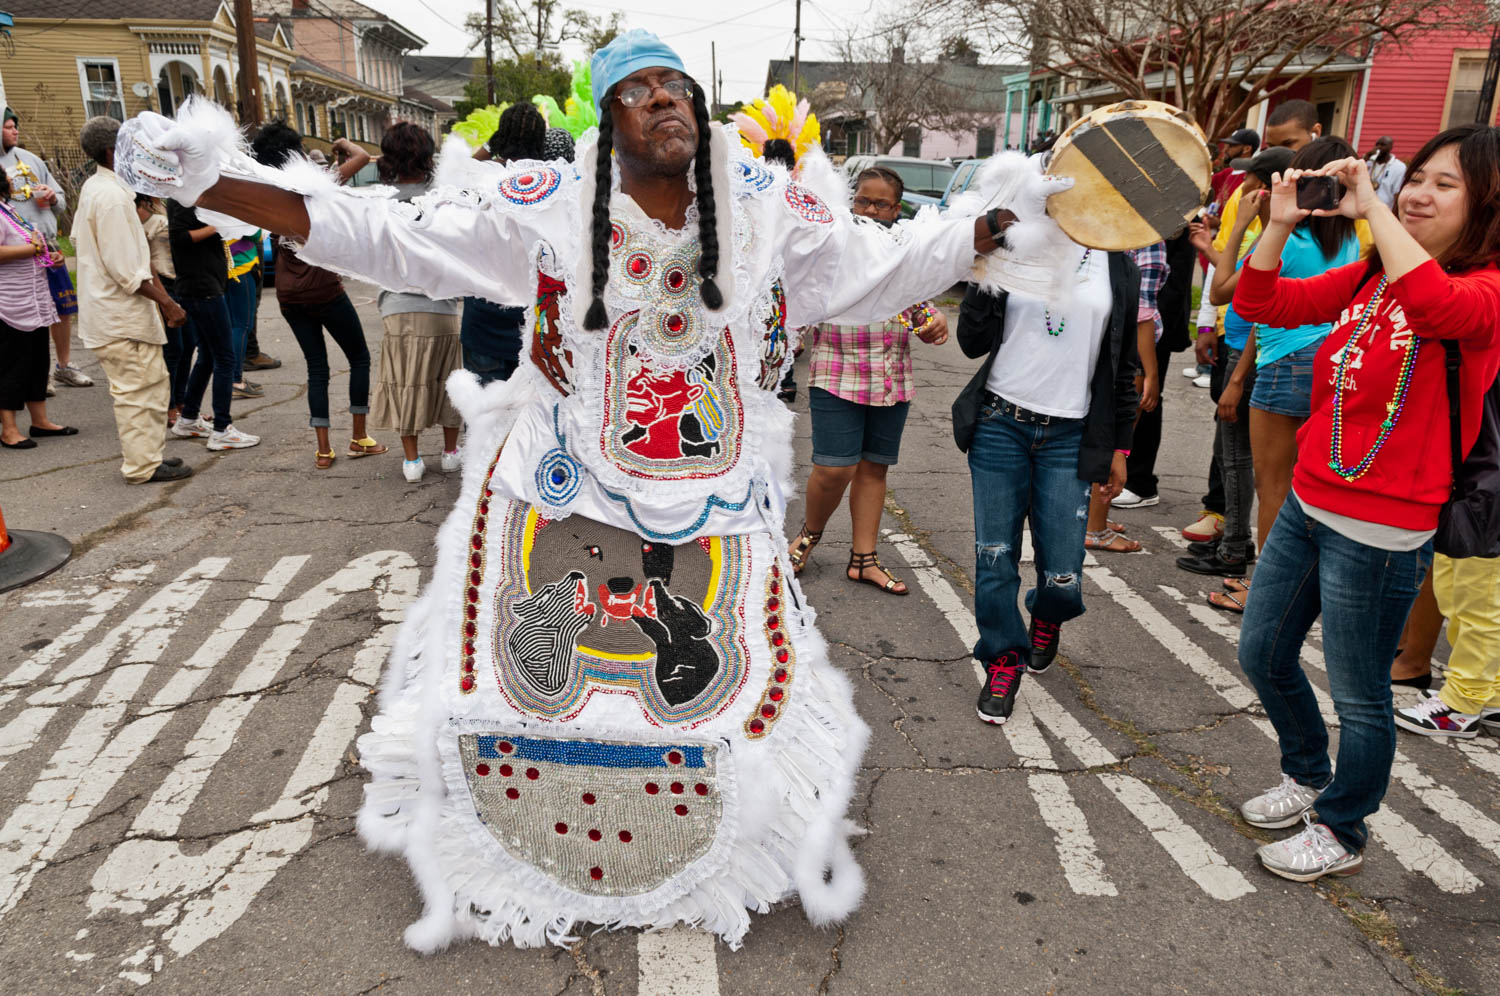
point(519, 134)
point(597, 318)
point(708, 230)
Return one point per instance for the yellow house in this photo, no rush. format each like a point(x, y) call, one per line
point(126, 56)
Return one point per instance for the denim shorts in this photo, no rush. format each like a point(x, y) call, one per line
point(1284, 386)
point(845, 432)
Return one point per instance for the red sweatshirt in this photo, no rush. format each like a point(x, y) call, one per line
point(1412, 475)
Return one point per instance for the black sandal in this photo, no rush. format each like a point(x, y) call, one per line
point(862, 562)
point(802, 548)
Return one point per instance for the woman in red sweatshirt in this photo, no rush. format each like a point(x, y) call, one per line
point(1353, 539)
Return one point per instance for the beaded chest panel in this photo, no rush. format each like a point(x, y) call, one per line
point(670, 423)
point(581, 607)
point(602, 818)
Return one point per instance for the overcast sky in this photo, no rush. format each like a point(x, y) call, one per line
point(749, 33)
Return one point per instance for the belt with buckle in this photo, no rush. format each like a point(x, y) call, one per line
point(1015, 411)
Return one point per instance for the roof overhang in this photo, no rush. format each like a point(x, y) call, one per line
point(1158, 80)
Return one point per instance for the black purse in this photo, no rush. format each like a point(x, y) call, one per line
point(1469, 523)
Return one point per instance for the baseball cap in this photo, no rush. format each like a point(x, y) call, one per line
point(1265, 163)
point(1243, 136)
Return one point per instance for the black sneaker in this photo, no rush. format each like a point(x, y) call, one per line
point(1208, 548)
point(169, 472)
point(1002, 681)
point(1215, 564)
point(1044, 637)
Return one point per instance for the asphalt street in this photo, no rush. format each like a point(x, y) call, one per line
point(178, 776)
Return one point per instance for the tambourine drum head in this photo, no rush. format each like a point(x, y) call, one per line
point(1140, 170)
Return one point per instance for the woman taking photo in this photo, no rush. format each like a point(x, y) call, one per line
point(1353, 538)
point(26, 312)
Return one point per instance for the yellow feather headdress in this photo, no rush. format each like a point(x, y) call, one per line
point(778, 115)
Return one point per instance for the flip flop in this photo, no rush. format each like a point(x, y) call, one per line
point(365, 447)
point(1230, 601)
point(1237, 585)
point(1108, 543)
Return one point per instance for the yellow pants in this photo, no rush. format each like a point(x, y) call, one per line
point(138, 384)
point(1468, 594)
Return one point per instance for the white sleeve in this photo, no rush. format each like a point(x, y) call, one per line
point(856, 273)
point(1208, 315)
point(443, 245)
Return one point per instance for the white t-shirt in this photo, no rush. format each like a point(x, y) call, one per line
point(1047, 373)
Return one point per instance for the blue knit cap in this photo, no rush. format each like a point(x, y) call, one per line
point(635, 49)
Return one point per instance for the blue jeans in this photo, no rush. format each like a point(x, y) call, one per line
point(209, 317)
point(489, 368)
point(241, 299)
point(338, 316)
point(1364, 595)
point(1232, 448)
point(1022, 471)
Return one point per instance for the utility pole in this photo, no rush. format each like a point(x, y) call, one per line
point(489, 53)
point(538, 53)
point(797, 50)
point(713, 77)
point(249, 81)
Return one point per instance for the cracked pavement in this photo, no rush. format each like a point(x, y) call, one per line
point(967, 825)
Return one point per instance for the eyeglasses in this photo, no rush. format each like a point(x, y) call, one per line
point(638, 95)
point(865, 202)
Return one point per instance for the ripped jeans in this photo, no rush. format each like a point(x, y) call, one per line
point(1024, 470)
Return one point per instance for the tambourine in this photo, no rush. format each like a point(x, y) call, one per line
point(1140, 171)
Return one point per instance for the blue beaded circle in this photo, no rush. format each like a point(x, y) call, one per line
point(754, 175)
point(558, 478)
point(530, 187)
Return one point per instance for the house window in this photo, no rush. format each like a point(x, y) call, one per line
point(911, 141)
point(312, 120)
point(1468, 77)
point(100, 79)
point(984, 144)
point(301, 126)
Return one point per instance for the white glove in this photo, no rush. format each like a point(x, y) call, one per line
point(179, 159)
point(1031, 200)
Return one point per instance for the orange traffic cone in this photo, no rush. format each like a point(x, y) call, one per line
point(27, 556)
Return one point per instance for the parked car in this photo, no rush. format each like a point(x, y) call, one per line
point(924, 179)
point(963, 176)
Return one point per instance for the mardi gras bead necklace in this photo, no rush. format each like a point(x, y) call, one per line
point(1047, 312)
point(1393, 409)
point(44, 260)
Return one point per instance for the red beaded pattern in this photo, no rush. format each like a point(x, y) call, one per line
point(475, 576)
point(783, 659)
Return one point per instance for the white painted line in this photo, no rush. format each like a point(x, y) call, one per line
point(1413, 849)
point(1172, 535)
point(1082, 866)
point(1194, 855)
point(677, 962)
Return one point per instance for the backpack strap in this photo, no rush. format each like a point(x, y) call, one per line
point(1455, 415)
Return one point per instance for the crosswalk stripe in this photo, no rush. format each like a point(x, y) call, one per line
point(1194, 855)
point(1415, 850)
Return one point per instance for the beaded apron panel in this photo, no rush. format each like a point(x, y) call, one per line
point(581, 607)
point(602, 818)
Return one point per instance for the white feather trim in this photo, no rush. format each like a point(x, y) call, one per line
point(1035, 259)
point(817, 173)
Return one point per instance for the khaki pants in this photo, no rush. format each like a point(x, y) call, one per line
point(138, 383)
point(1468, 593)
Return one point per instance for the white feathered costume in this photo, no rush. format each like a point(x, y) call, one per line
point(611, 705)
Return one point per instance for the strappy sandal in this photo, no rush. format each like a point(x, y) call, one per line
point(365, 447)
point(1238, 586)
point(1107, 540)
point(1229, 601)
point(325, 460)
point(802, 548)
point(862, 562)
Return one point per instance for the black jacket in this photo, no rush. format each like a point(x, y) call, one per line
point(1110, 423)
point(202, 267)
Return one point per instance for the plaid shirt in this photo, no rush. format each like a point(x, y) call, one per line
point(865, 364)
point(1152, 261)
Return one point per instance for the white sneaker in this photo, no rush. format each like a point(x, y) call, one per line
point(231, 439)
point(71, 376)
point(1129, 499)
point(450, 461)
point(1203, 380)
point(1191, 373)
point(1281, 806)
point(192, 428)
point(1309, 855)
point(413, 470)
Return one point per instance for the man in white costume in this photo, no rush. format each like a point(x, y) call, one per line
point(611, 705)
